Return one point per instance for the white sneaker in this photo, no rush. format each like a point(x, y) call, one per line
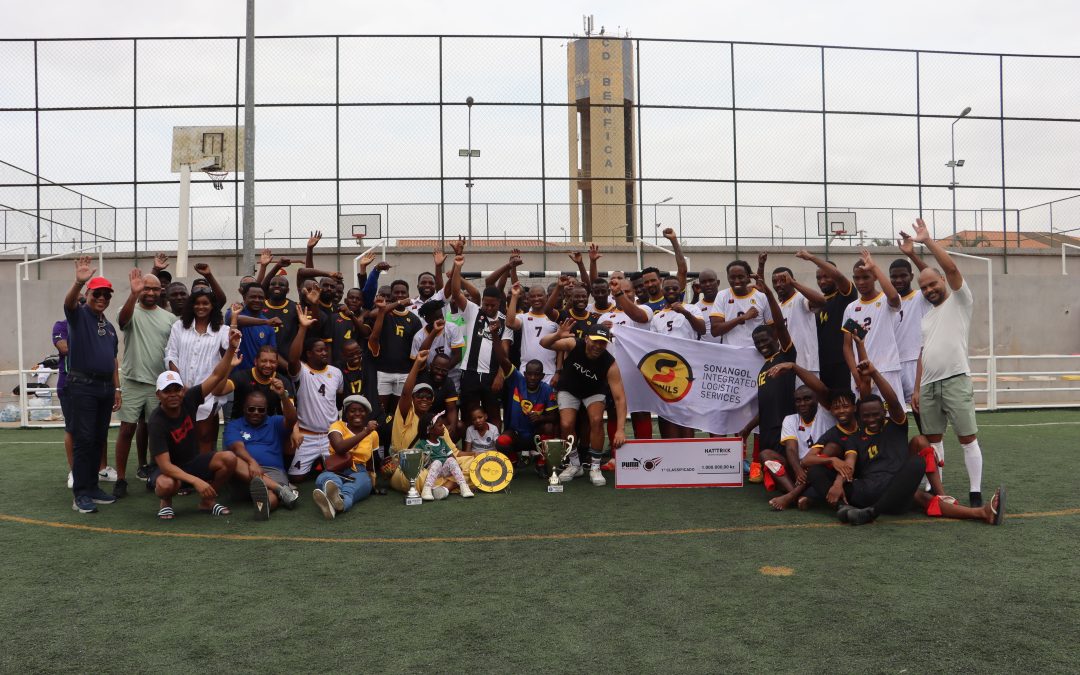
point(597, 476)
point(426, 495)
point(333, 495)
point(108, 474)
point(71, 480)
point(319, 497)
point(571, 472)
point(466, 492)
point(439, 492)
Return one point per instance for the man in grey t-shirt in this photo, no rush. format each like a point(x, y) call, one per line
point(943, 390)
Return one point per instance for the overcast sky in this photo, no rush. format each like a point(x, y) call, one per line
point(862, 149)
point(970, 25)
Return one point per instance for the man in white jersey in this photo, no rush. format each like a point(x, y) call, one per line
point(740, 308)
point(317, 386)
point(437, 336)
point(676, 318)
point(943, 391)
point(625, 311)
point(913, 307)
point(709, 285)
point(534, 325)
point(876, 313)
point(798, 434)
point(799, 305)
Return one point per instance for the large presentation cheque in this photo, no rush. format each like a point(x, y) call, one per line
point(680, 463)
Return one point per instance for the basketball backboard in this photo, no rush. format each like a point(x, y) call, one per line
point(369, 225)
point(225, 145)
point(836, 223)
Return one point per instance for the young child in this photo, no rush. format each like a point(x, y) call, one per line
point(481, 434)
point(443, 462)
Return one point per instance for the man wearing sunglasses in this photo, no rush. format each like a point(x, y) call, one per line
point(92, 382)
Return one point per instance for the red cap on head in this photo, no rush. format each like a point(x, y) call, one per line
point(99, 282)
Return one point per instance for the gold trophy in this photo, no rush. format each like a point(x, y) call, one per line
point(411, 463)
point(555, 452)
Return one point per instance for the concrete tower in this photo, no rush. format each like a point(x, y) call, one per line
point(600, 78)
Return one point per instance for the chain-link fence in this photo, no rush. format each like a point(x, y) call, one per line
point(732, 143)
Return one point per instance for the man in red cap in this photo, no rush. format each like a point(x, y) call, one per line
point(92, 382)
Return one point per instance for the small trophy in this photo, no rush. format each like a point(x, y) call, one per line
point(555, 452)
point(411, 463)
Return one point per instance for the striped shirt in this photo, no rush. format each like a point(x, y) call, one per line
point(193, 353)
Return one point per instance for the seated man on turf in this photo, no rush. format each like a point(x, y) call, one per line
point(531, 411)
point(345, 479)
point(882, 470)
point(174, 443)
point(260, 440)
point(798, 432)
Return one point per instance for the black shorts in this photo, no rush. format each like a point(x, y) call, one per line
point(476, 387)
point(198, 467)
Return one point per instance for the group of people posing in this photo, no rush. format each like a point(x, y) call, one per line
point(328, 385)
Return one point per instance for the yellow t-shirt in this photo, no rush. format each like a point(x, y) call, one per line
point(404, 432)
point(361, 454)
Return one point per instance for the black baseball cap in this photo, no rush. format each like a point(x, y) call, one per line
point(599, 332)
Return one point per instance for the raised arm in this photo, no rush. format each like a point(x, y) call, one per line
point(594, 257)
point(438, 257)
point(454, 295)
point(288, 410)
point(135, 281)
point(305, 320)
point(83, 273)
point(814, 297)
point(371, 284)
point(882, 278)
point(219, 294)
point(557, 291)
point(309, 253)
point(622, 293)
point(779, 325)
point(405, 402)
point(680, 259)
point(575, 257)
point(808, 378)
point(221, 370)
point(513, 321)
point(843, 284)
point(265, 258)
point(381, 308)
point(896, 408)
point(944, 261)
point(562, 340)
point(907, 247)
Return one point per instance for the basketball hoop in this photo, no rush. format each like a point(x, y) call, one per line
point(216, 177)
point(839, 234)
point(359, 236)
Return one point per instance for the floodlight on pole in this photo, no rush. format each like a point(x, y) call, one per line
point(267, 234)
point(953, 163)
point(656, 223)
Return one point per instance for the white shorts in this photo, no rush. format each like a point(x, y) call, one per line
point(907, 375)
point(312, 447)
point(892, 377)
point(568, 401)
point(392, 384)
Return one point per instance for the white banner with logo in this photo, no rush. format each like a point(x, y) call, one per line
point(703, 385)
point(680, 463)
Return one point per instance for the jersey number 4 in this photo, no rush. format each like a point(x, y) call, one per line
point(322, 389)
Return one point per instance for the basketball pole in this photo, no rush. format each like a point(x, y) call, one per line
point(249, 141)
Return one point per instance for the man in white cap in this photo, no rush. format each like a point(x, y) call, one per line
point(174, 443)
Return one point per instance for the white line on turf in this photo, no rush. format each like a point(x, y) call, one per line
point(1033, 424)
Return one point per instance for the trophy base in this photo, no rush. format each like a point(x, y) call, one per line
point(554, 488)
point(413, 501)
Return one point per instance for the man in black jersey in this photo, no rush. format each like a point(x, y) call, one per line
point(446, 394)
point(258, 378)
point(839, 292)
point(589, 375)
point(280, 306)
point(578, 311)
point(390, 343)
point(884, 469)
point(776, 394)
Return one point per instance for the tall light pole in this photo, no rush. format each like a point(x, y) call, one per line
point(249, 145)
point(781, 228)
point(656, 223)
point(267, 234)
point(952, 164)
point(469, 153)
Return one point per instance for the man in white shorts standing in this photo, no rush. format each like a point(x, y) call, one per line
point(943, 391)
point(875, 314)
point(317, 385)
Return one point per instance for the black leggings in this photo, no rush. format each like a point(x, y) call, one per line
point(894, 498)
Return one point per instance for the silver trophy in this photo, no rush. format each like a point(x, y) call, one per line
point(555, 452)
point(411, 463)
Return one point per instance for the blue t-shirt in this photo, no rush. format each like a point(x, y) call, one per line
point(522, 401)
point(253, 339)
point(89, 352)
point(60, 332)
point(265, 443)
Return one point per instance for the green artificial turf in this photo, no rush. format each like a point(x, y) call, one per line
point(906, 594)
